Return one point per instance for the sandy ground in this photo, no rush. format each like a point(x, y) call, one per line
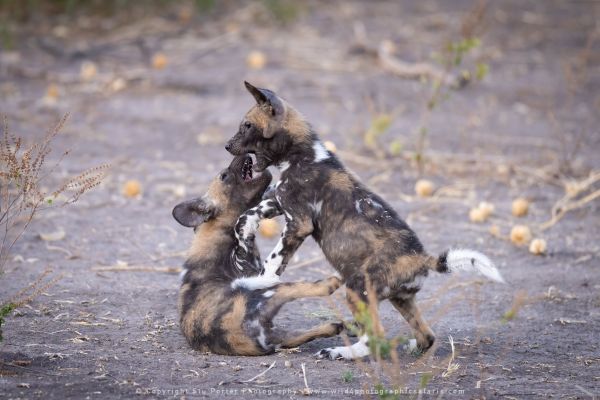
point(115, 334)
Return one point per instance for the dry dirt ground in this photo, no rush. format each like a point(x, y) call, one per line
point(114, 334)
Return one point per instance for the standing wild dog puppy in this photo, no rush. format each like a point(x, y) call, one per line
point(360, 234)
point(215, 316)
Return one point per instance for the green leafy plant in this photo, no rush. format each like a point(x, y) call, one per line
point(347, 376)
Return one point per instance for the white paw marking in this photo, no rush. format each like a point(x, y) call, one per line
point(256, 282)
point(357, 350)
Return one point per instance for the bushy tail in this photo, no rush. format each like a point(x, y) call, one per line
point(467, 260)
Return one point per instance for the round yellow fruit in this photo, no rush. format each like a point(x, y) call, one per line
point(88, 70)
point(477, 215)
point(52, 91)
point(132, 188)
point(495, 231)
point(268, 228)
point(486, 208)
point(520, 235)
point(329, 145)
point(537, 246)
point(256, 60)
point(424, 188)
point(520, 207)
point(159, 61)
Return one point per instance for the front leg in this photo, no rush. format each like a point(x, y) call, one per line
point(296, 230)
point(247, 223)
point(292, 237)
point(245, 254)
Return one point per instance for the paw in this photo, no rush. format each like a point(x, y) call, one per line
point(330, 353)
point(334, 283)
point(338, 327)
point(353, 328)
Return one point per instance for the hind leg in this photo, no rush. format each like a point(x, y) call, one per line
point(295, 339)
point(409, 310)
point(282, 293)
point(356, 293)
point(285, 292)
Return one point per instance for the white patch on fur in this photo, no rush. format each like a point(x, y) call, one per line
point(269, 293)
point(283, 166)
point(262, 338)
point(357, 350)
point(415, 283)
point(182, 274)
point(321, 152)
point(357, 206)
point(251, 224)
point(316, 206)
point(471, 260)
point(271, 263)
point(256, 282)
point(412, 345)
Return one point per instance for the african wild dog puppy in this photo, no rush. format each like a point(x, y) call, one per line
point(360, 234)
point(213, 315)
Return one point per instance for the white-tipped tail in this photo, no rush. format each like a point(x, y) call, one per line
point(471, 260)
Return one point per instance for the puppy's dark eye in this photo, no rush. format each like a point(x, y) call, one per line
point(247, 125)
point(224, 176)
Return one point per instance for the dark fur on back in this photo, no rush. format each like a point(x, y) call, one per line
point(360, 234)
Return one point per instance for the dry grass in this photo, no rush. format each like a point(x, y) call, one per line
point(23, 172)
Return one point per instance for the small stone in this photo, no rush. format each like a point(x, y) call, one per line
point(88, 71)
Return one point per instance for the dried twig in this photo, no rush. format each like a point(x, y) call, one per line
point(261, 374)
point(305, 262)
point(138, 268)
point(306, 388)
point(569, 202)
point(408, 70)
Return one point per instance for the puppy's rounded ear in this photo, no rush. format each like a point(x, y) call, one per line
point(272, 105)
point(194, 212)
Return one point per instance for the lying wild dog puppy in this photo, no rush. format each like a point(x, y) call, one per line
point(215, 316)
point(360, 234)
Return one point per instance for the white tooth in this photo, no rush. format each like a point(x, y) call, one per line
point(253, 157)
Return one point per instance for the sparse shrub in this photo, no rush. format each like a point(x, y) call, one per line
point(23, 172)
point(347, 376)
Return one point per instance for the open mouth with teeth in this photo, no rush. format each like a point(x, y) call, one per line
point(248, 173)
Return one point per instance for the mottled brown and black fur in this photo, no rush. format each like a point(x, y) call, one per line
point(360, 234)
point(215, 316)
